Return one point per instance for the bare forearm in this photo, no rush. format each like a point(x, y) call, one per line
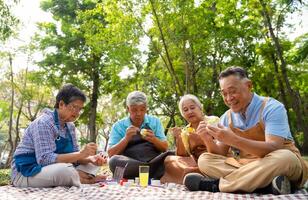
point(160, 145)
point(180, 149)
point(258, 148)
point(213, 147)
point(69, 157)
point(84, 161)
point(118, 148)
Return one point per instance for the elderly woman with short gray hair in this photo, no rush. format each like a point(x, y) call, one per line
point(189, 145)
point(138, 139)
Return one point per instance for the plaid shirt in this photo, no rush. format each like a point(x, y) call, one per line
point(40, 137)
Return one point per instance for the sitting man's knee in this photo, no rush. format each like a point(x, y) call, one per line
point(112, 163)
point(205, 157)
point(67, 175)
point(115, 161)
point(68, 169)
point(283, 157)
point(204, 162)
point(170, 158)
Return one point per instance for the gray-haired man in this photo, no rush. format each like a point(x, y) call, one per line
point(253, 150)
point(137, 140)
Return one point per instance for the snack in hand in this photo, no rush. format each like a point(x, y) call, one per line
point(212, 120)
point(190, 130)
point(143, 132)
point(184, 136)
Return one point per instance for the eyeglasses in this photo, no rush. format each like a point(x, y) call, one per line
point(75, 108)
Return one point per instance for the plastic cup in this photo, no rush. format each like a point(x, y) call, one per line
point(144, 175)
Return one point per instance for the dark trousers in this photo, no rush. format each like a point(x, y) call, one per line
point(132, 169)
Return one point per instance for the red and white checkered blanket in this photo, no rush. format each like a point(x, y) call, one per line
point(95, 192)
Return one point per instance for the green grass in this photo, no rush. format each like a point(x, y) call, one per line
point(5, 175)
point(305, 158)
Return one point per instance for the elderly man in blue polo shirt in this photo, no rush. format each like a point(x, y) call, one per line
point(253, 149)
point(138, 139)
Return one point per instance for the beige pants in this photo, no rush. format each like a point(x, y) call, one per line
point(256, 174)
point(59, 174)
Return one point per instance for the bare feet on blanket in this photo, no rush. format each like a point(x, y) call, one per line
point(88, 179)
point(85, 178)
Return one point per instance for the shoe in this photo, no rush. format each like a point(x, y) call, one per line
point(281, 185)
point(198, 182)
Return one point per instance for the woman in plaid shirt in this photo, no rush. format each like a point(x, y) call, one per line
point(48, 152)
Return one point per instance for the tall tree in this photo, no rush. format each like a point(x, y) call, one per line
point(88, 47)
point(294, 96)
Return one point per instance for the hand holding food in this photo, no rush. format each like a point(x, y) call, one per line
point(130, 132)
point(143, 132)
point(88, 150)
point(148, 135)
point(176, 131)
point(212, 120)
point(98, 159)
point(184, 135)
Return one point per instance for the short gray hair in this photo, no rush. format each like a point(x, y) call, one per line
point(136, 98)
point(189, 97)
point(240, 72)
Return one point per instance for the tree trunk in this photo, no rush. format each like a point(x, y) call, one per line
point(294, 96)
point(194, 70)
point(171, 123)
point(282, 90)
point(187, 78)
point(107, 139)
point(106, 145)
point(215, 73)
point(2, 154)
point(190, 69)
point(93, 104)
point(10, 139)
point(17, 138)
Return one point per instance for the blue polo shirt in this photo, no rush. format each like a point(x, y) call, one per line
point(274, 117)
point(118, 130)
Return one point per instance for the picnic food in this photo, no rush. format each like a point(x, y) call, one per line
point(184, 135)
point(212, 120)
point(143, 132)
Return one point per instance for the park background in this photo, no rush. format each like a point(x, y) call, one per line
point(165, 48)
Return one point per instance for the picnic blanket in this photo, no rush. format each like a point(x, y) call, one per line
point(95, 192)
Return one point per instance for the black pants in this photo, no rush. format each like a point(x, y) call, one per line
point(157, 167)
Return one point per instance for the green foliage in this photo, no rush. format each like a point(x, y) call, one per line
point(82, 141)
point(8, 21)
point(171, 141)
point(300, 138)
point(201, 41)
point(5, 176)
point(173, 47)
point(94, 43)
